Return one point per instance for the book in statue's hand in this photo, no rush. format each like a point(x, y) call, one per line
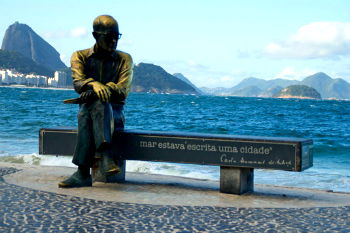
point(85, 97)
point(72, 101)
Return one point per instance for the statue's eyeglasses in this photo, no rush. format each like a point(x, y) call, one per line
point(111, 35)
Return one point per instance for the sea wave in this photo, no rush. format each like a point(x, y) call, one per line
point(326, 122)
point(190, 171)
point(36, 159)
point(318, 178)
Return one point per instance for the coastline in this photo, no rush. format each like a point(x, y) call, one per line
point(29, 87)
point(295, 97)
point(280, 97)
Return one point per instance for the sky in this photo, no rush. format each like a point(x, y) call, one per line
point(213, 43)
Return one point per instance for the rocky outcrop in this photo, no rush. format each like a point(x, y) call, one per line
point(299, 91)
point(22, 39)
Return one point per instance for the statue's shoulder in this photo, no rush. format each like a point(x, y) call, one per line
point(124, 55)
point(80, 55)
point(84, 52)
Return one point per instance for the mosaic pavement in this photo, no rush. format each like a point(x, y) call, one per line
point(27, 210)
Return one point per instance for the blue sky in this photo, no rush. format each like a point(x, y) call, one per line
point(213, 43)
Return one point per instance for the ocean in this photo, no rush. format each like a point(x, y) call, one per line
point(25, 110)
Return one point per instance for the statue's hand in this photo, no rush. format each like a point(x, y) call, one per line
point(102, 91)
point(87, 96)
point(110, 84)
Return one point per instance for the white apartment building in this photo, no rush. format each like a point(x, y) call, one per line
point(36, 80)
point(9, 77)
point(4, 77)
point(59, 79)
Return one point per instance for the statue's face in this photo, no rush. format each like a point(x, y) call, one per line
point(108, 41)
point(106, 32)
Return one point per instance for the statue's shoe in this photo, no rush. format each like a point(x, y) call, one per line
point(76, 180)
point(109, 166)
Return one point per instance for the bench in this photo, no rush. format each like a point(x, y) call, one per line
point(237, 156)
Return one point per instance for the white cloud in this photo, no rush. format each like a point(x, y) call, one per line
point(78, 32)
point(194, 66)
point(314, 40)
point(65, 59)
point(291, 73)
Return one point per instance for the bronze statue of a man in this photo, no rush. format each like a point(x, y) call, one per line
point(102, 76)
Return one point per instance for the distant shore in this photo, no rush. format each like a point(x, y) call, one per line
point(295, 97)
point(30, 87)
point(280, 97)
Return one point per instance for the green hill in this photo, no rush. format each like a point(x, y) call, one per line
point(299, 91)
point(154, 79)
point(22, 64)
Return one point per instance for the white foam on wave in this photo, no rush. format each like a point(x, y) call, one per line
point(311, 178)
point(336, 180)
point(183, 170)
point(62, 161)
point(192, 171)
point(36, 159)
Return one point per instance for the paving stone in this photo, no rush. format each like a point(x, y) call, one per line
point(27, 210)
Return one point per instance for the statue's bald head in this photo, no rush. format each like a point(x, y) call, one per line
point(105, 24)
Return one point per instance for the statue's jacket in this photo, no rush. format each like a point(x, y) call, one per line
point(117, 67)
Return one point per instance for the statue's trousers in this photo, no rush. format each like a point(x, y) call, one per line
point(97, 122)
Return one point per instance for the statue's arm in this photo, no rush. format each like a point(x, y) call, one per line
point(80, 81)
point(122, 87)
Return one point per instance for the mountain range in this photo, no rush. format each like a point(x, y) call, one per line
point(254, 87)
point(25, 51)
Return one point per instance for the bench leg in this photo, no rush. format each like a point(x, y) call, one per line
point(98, 173)
point(236, 180)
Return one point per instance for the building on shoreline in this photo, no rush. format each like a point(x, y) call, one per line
point(11, 77)
point(59, 80)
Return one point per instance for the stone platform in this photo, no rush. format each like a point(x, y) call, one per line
point(32, 202)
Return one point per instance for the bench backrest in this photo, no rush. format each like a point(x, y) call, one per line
point(291, 154)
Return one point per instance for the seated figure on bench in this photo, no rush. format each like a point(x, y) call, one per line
point(102, 76)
